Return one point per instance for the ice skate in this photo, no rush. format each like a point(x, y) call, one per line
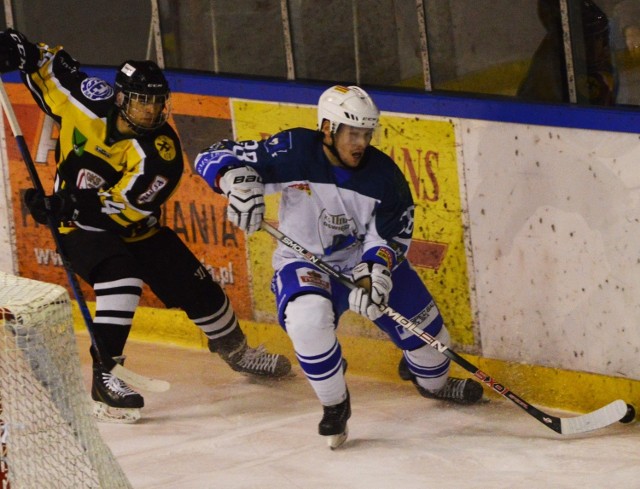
point(461, 391)
point(113, 400)
point(254, 361)
point(334, 423)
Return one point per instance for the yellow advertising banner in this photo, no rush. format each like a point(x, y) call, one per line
point(425, 150)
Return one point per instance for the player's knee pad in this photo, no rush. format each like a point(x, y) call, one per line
point(309, 321)
point(426, 361)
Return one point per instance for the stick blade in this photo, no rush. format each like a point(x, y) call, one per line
point(145, 383)
point(594, 420)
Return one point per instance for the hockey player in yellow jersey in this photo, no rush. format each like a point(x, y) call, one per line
point(118, 161)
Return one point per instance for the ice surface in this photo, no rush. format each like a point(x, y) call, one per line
point(218, 429)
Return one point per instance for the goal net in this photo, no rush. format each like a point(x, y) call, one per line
point(49, 438)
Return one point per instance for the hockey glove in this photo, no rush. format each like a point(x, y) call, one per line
point(16, 52)
point(374, 285)
point(244, 189)
point(61, 205)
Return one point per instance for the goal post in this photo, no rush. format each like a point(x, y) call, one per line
point(50, 438)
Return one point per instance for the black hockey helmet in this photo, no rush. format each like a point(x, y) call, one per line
point(142, 84)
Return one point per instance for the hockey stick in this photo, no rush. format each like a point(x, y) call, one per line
point(594, 420)
point(153, 385)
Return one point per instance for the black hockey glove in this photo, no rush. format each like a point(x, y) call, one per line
point(16, 52)
point(61, 205)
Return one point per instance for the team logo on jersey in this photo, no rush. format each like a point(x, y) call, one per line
point(337, 232)
point(166, 147)
point(96, 89)
point(78, 140)
point(88, 179)
point(148, 195)
point(337, 222)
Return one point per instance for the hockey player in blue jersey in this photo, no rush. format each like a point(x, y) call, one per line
point(349, 204)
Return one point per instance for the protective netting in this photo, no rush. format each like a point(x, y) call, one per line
point(51, 439)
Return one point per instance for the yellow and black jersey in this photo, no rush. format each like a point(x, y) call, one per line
point(120, 182)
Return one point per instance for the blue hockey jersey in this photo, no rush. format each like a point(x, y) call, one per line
point(341, 215)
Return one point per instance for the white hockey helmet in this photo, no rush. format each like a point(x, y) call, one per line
point(347, 105)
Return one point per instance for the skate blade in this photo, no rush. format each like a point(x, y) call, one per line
point(265, 380)
point(335, 441)
point(109, 414)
